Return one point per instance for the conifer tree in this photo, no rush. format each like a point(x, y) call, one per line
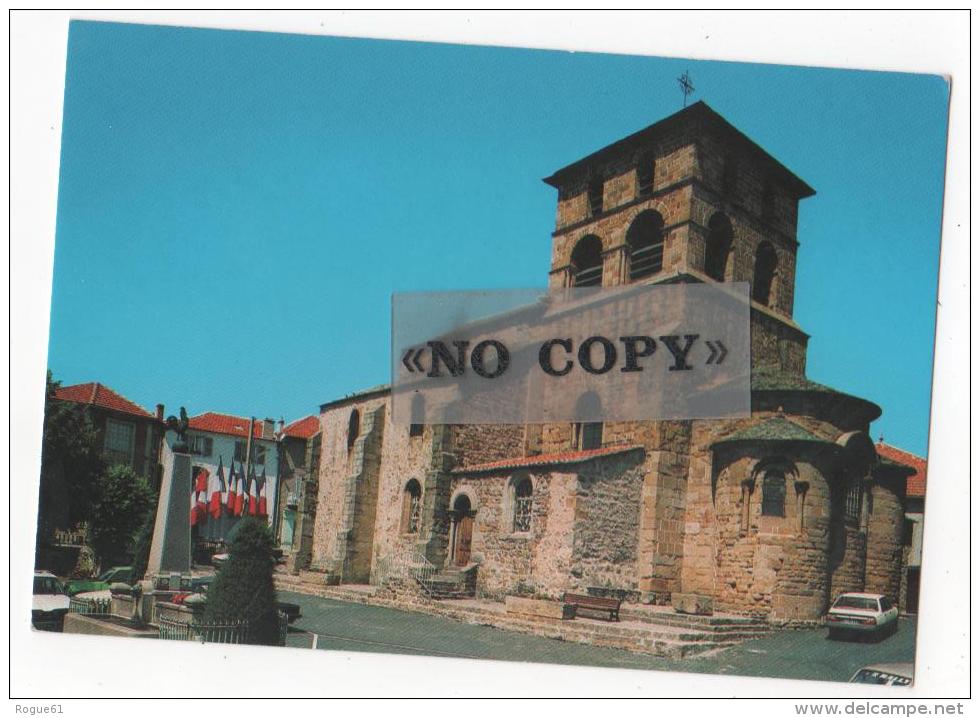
point(243, 589)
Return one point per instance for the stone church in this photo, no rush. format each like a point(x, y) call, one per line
point(771, 515)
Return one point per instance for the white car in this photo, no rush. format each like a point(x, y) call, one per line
point(50, 602)
point(862, 614)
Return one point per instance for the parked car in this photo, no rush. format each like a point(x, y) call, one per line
point(50, 603)
point(116, 574)
point(862, 615)
point(885, 674)
point(201, 584)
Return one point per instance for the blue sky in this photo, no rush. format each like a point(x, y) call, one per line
point(235, 209)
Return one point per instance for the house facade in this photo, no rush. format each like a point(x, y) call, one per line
point(771, 515)
point(126, 434)
point(221, 441)
point(299, 456)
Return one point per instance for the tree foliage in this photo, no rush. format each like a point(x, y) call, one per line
point(143, 542)
point(70, 463)
point(120, 502)
point(243, 589)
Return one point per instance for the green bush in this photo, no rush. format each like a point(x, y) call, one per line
point(120, 501)
point(243, 589)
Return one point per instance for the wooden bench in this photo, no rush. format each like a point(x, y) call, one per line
point(594, 603)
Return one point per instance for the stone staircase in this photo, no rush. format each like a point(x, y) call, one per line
point(653, 630)
point(453, 584)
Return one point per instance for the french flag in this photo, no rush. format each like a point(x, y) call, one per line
point(199, 497)
point(240, 493)
point(263, 507)
point(216, 487)
point(253, 494)
point(232, 490)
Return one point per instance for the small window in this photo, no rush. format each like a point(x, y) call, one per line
point(120, 438)
point(886, 604)
point(353, 428)
point(645, 245)
point(240, 448)
point(200, 445)
point(588, 434)
point(523, 501)
point(645, 168)
point(852, 503)
point(587, 262)
point(595, 197)
point(908, 532)
point(417, 414)
point(412, 507)
point(765, 272)
point(258, 453)
point(774, 493)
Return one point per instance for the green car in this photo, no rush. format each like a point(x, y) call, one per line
point(116, 574)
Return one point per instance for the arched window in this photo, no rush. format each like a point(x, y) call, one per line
point(588, 434)
point(645, 244)
point(523, 502)
point(353, 428)
point(718, 246)
point(587, 262)
point(774, 492)
point(412, 507)
point(595, 197)
point(645, 167)
point(418, 414)
point(765, 272)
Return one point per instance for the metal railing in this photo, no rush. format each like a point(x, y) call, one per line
point(90, 606)
point(174, 629)
point(408, 565)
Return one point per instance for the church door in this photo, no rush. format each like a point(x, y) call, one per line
point(464, 540)
point(463, 533)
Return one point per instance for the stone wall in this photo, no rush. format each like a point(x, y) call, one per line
point(770, 565)
point(537, 561)
point(883, 567)
point(343, 533)
point(607, 519)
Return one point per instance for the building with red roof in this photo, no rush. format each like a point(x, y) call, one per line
point(129, 434)
point(915, 494)
point(253, 450)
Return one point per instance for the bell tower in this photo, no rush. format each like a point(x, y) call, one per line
point(687, 199)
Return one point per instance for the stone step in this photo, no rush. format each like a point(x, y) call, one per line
point(717, 624)
point(649, 637)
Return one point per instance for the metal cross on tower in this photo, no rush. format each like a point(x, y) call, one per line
point(687, 87)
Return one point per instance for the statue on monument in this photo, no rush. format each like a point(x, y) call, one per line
point(180, 427)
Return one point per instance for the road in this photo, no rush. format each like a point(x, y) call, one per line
point(802, 654)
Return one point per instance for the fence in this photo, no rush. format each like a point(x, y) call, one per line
point(409, 564)
point(174, 629)
point(90, 606)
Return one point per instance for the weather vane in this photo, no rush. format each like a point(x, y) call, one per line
point(687, 87)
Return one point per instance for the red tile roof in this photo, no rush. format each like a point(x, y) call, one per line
point(96, 394)
point(225, 424)
point(303, 428)
point(567, 457)
point(915, 485)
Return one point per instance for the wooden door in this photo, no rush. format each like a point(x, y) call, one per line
point(464, 539)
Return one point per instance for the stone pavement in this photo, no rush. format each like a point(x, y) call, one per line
point(803, 654)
